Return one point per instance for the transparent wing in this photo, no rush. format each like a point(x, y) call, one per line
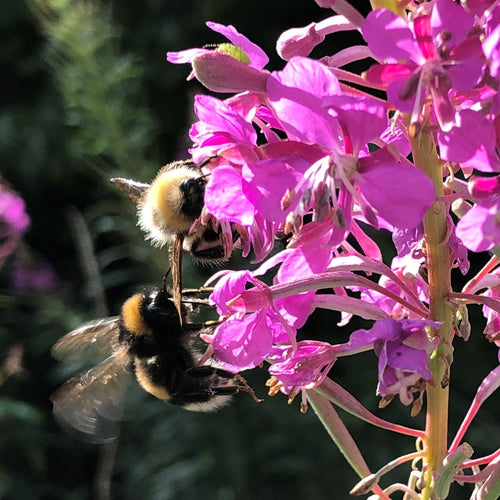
point(93, 341)
point(133, 189)
point(91, 404)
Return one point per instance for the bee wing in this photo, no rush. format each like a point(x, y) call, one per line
point(93, 341)
point(133, 189)
point(91, 404)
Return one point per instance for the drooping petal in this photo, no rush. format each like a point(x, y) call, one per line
point(228, 286)
point(304, 367)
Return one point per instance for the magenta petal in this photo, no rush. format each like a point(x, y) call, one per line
point(231, 284)
point(450, 17)
point(265, 183)
point(224, 197)
point(381, 74)
point(400, 193)
point(241, 344)
point(466, 75)
point(472, 143)
point(364, 119)
point(216, 116)
point(306, 260)
point(13, 216)
point(390, 38)
point(477, 228)
point(408, 359)
point(296, 92)
point(491, 47)
point(395, 91)
point(296, 309)
point(422, 29)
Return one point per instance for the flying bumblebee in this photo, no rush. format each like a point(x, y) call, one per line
point(167, 210)
point(148, 340)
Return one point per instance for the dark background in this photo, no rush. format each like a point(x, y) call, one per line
point(87, 95)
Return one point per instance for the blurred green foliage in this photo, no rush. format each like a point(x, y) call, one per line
point(87, 95)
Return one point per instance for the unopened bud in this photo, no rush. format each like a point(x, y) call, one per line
point(220, 72)
point(298, 41)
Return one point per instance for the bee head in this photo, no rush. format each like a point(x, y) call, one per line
point(159, 310)
point(193, 191)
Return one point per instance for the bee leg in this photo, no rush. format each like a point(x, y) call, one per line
point(207, 371)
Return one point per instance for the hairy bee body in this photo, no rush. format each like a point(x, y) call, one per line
point(172, 203)
point(168, 207)
point(147, 339)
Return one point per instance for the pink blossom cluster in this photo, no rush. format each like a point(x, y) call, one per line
point(308, 152)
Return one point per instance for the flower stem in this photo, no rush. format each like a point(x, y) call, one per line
point(341, 437)
point(439, 273)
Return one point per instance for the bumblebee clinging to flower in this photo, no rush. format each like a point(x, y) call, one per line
point(167, 211)
point(149, 340)
point(170, 205)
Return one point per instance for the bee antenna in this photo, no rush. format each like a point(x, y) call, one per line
point(164, 282)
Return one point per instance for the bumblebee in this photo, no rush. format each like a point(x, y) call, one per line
point(147, 339)
point(167, 210)
point(168, 207)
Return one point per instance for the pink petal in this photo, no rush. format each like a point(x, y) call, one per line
point(224, 197)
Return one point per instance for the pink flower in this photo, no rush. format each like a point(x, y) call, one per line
point(307, 92)
point(431, 53)
point(243, 343)
point(403, 348)
point(305, 367)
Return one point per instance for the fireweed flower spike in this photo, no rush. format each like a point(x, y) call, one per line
point(297, 153)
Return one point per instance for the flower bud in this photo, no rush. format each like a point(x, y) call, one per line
point(220, 72)
point(298, 41)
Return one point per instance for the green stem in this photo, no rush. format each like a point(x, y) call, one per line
point(439, 270)
point(338, 432)
point(341, 437)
